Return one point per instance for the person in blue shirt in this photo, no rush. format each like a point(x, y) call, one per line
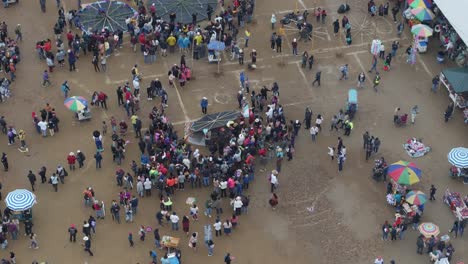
point(204, 105)
point(154, 256)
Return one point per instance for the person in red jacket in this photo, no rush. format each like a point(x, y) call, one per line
point(70, 37)
point(71, 159)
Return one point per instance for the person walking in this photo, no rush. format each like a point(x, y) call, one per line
point(87, 245)
point(65, 89)
point(448, 112)
point(376, 81)
point(414, 112)
point(317, 78)
point(80, 157)
point(204, 105)
point(210, 244)
point(435, 83)
point(432, 192)
point(420, 245)
point(365, 139)
point(72, 60)
point(130, 239)
point(344, 72)
point(45, 79)
point(374, 64)
point(72, 231)
point(313, 132)
point(32, 179)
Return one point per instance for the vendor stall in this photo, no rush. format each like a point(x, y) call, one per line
point(170, 242)
point(455, 80)
point(415, 148)
point(457, 204)
point(458, 157)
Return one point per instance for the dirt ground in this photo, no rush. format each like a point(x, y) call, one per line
point(323, 216)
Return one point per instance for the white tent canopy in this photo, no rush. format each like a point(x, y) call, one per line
point(455, 12)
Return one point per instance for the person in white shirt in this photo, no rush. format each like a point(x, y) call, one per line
point(237, 205)
point(147, 184)
point(43, 126)
point(217, 227)
point(318, 122)
point(223, 187)
point(273, 180)
point(313, 132)
point(379, 260)
point(331, 152)
point(194, 212)
point(136, 86)
point(174, 221)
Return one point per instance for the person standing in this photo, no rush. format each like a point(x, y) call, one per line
point(247, 38)
point(365, 139)
point(174, 221)
point(313, 133)
point(71, 60)
point(33, 241)
point(376, 145)
point(273, 21)
point(241, 57)
point(98, 158)
point(80, 157)
point(414, 112)
point(448, 112)
point(344, 72)
point(279, 42)
point(228, 258)
point(217, 227)
point(361, 80)
point(87, 245)
point(104, 62)
point(115, 211)
point(204, 105)
point(369, 149)
point(54, 180)
point(376, 81)
point(432, 192)
point(32, 179)
point(72, 232)
point(317, 78)
point(307, 118)
point(294, 47)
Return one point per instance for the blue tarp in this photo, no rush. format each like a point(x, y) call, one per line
point(216, 45)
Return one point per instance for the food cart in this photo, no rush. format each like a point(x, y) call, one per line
point(455, 79)
point(171, 243)
point(352, 103)
point(457, 204)
point(20, 202)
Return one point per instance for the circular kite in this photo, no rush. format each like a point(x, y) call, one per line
point(105, 14)
point(183, 9)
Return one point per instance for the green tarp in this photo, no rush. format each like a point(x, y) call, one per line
point(458, 78)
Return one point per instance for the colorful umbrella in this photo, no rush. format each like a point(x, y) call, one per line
point(403, 172)
point(422, 14)
point(416, 198)
point(421, 30)
point(458, 157)
point(429, 229)
point(20, 200)
point(76, 103)
point(420, 3)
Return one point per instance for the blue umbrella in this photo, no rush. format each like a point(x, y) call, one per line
point(20, 200)
point(458, 157)
point(216, 45)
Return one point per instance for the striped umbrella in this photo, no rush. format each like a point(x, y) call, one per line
point(421, 30)
point(405, 173)
point(429, 229)
point(416, 198)
point(76, 103)
point(422, 14)
point(420, 3)
point(20, 200)
point(458, 157)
